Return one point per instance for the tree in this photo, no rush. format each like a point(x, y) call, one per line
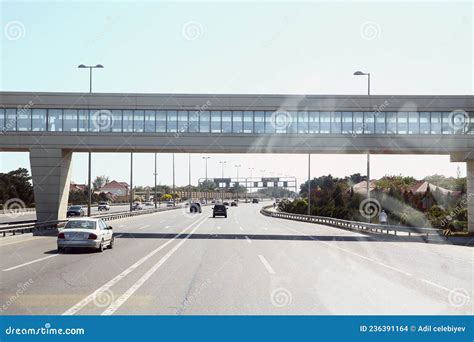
point(99, 182)
point(16, 185)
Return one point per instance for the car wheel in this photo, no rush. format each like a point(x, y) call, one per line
point(101, 246)
point(214, 216)
point(225, 216)
point(61, 250)
point(111, 243)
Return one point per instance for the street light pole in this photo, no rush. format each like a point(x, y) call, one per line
point(155, 174)
point(309, 183)
point(131, 181)
point(189, 177)
point(174, 194)
point(205, 160)
point(89, 173)
point(360, 73)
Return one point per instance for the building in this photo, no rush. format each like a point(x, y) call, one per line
point(115, 188)
point(77, 187)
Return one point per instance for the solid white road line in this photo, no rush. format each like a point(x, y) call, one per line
point(81, 304)
point(145, 226)
point(29, 263)
point(125, 296)
point(266, 264)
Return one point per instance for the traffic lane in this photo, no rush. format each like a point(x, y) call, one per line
point(28, 216)
point(448, 291)
point(58, 282)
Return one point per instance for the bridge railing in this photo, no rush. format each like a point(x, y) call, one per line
point(353, 225)
point(28, 226)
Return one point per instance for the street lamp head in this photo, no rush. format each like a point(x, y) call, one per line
point(99, 66)
point(358, 73)
point(81, 66)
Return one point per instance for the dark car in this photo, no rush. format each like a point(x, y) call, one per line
point(195, 207)
point(74, 210)
point(233, 204)
point(255, 200)
point(226, 203)
point(219, 210)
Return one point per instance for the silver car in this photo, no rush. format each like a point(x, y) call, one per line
point(86, 233)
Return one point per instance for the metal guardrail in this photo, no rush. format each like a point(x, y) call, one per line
point(33, 226)
point(352, 225)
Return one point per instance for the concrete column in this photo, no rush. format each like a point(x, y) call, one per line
point(470, 195)
point(50, 170)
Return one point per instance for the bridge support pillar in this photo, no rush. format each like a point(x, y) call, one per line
point(470, 194)
point(50, 170)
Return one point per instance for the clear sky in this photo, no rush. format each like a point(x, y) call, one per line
point(239, 47)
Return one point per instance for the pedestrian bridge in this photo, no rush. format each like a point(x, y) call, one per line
point(51, 126)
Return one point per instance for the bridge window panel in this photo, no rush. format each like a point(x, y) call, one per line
point(2, 120)
point(138, 121)
point(269, 123)
point(259, 122)
point(413, 123)
point(292, 126)
point(313, 118)
point(303, 124)
point(336, 123)
point(127, 119)
point(325, 122)
point(435, 123)
point(216, 121)
point(391, 123)
point(445, 123)
point(95, 120)
point(55, 120)
point(38, 120)
point(24, 119)
point(470, 127)
point(183, 121)
point(358, 122)
point(369, 122)
point(347, 123)
point(161, 121)
point(193, 123)
point(248, 121)
point(83, 120)
point(116, 123)
point(237, 124)
point(205, 122)
point(227, 121)
point(150, 121)
point(172, 121)
point(70, 120)
point(402, 122)
point(380, 123)
point(425, 123)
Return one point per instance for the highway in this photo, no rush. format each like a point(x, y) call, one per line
point(176, 263)
point(31, 215)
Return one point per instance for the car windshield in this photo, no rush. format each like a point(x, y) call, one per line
point(102, 202)
point(219, 207)
point(82, 224)
point(75, 207)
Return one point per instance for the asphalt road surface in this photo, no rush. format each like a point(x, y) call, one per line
point(176, 263)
